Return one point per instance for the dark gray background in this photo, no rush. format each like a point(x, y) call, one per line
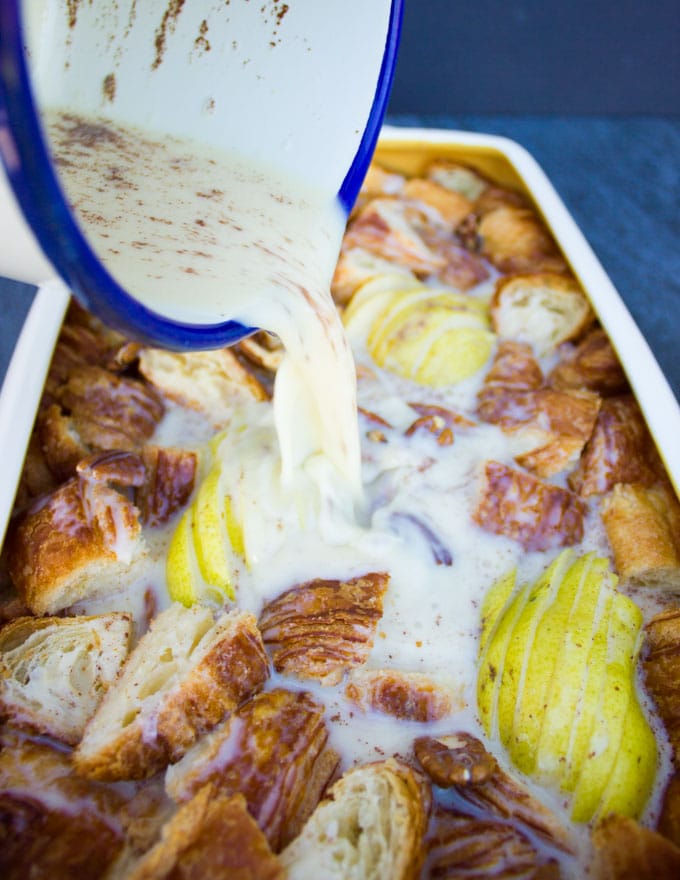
point(592, 89)
point(556, 56)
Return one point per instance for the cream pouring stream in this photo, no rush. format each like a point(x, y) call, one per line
point(204, 235)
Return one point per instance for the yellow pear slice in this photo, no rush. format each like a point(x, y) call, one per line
point(234, 527)
point(535, 648)
point(414, 313)
point(585, 713)
point(618, 692)
point(181, 569)
point(632, 778)
point(495, 600)
point(201, 554)
point(561, 709)
point(455, 355)
point(372, 299)
point(492, 661)
point(211, 537)
point(435, 338)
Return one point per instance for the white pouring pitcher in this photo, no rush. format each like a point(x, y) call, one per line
point(301, 86)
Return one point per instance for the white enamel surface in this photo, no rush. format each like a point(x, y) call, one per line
point(295, 86)
point(286, 84)
point(20, 255)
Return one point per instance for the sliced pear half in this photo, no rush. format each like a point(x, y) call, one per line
point(557, 686)
point(434, 337)
point(371, 300)
point(532, 656)
point(583, 642)
point(201, 556)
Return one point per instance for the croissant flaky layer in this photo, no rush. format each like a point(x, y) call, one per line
point(186, 673)
point(78, 542)
point(211, 835)
point(55, 670)
point(371, 826)
point(323, 628)
point(274, 750)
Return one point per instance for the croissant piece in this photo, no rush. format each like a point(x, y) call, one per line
point(185, 674)
point(514, 368)
point(451, 206)
point(661, 665)
point(536, 514)
point(625, 850)
point(620, 450)
point(381, 182)
point(55, 670)
point(457, 177)
point(560, 421)
point(592, 365)
point(36, 477)
point(59, 442)
point(169, 480)
point(210, 835)
point(83, 341)
point(392, 230)
point(209, 382)
point(77, 542)
point(478, 848)
point(542, 309)
point(514, 240)
point(643, 527)
point(371, 827)
point(109, 411)
point(321, 629)
point(461, 269)
point(42, 772)
point(410, 696)
point(36, 841)
point(669, 818)
point(263, 350)
point(273, 750)
point(498, 197)
point(52, 824)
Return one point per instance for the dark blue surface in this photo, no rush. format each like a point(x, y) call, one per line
point(582, 57)
point(619, 177)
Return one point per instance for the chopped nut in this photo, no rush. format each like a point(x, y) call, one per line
point(459, 759)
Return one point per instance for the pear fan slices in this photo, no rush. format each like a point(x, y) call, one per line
point(205, 545)
point(432, 335)
point(557, 685)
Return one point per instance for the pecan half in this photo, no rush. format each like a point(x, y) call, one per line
point(459, 759)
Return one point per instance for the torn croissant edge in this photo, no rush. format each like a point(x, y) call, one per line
point(78, 540)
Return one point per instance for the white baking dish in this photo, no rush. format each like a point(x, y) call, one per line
point(407, 150)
